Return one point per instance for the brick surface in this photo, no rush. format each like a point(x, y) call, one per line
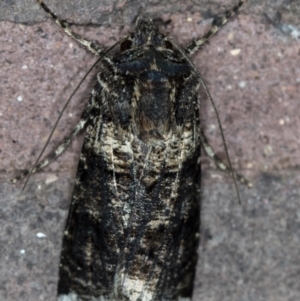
point(252, 71)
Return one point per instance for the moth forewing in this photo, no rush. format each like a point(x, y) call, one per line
point(133, 227)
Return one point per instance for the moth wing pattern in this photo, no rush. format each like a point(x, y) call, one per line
point(137, 185)
point(133, 226)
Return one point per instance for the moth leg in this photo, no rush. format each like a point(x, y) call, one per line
point(92, 46)
point(60, 149)
point(217, 24)
point(219, 163)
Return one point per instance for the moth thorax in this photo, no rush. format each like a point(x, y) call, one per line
point(153, 105)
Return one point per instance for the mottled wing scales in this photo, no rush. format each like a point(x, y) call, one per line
point(136, 200)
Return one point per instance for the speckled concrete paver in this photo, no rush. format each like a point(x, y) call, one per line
point(248, 252)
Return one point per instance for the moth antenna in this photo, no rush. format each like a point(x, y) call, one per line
point(222, 135)
point(216, 113)
point(65, 106)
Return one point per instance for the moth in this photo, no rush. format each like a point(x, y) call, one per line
point(132, 231)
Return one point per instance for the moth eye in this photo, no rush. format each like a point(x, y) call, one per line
point(168, 45)
point(126, 45)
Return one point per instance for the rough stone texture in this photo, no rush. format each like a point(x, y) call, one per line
point(123, 12)
point(248, 252)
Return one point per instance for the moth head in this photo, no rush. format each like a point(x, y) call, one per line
point(146, 34)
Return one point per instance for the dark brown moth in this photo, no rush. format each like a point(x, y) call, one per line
point(133, 227)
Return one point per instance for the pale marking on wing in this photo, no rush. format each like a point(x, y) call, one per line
point(75, 297)
point(133, 288)
point(146, 162)
point(114, 171)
